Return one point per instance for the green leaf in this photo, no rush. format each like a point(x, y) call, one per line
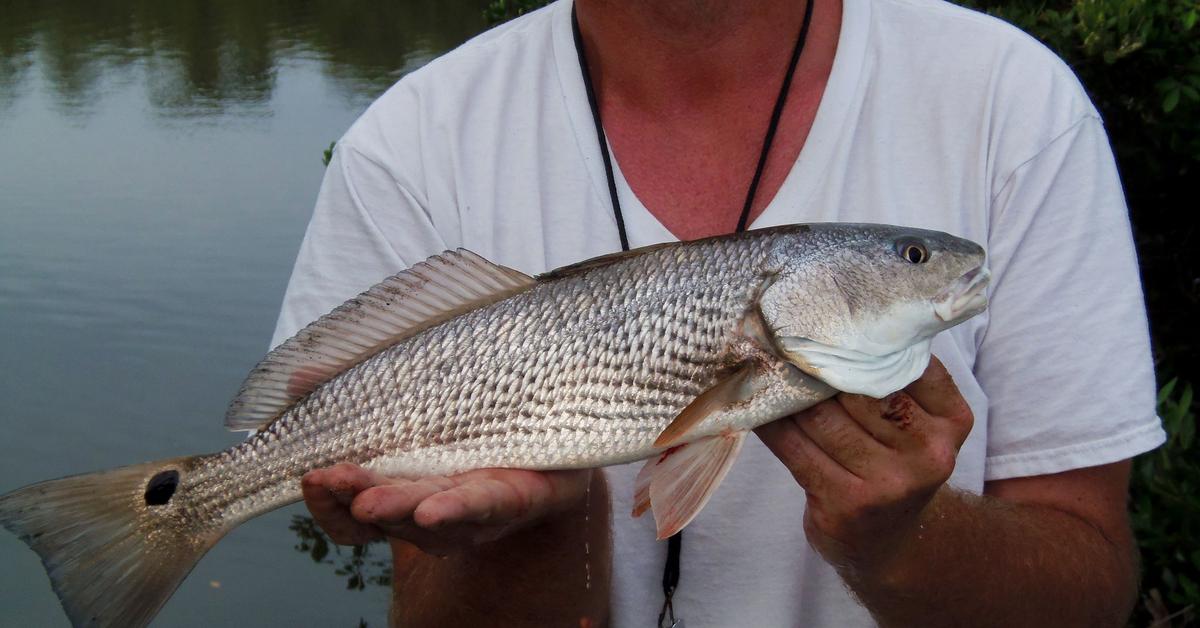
point(1189, 20)
point(1187, 431)
point(1146, 471)
point(1189, 587)
point(327, 154)
point(1166, 390)
point(1170, 101)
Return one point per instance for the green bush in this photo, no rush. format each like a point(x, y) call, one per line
point(499, 11)
point(1165, 511)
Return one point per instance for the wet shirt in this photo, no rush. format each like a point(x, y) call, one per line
point(933, 117)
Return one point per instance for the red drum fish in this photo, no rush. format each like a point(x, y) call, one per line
point(670, 353)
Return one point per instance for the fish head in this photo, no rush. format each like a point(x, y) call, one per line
point(857, 306)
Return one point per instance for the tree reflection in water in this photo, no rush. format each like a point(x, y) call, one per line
point(361, 565)
point(207, 57)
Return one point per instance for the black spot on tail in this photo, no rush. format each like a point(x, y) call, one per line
point(161, 487)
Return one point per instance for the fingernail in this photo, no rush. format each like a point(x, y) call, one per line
point(429, 518)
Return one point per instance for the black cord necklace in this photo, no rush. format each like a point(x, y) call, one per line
point(671, 570)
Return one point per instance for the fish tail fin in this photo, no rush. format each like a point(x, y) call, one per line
point(114, 543)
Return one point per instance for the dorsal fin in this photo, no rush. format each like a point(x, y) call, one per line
point(400, 306)
point(602, 260)
point(612, 258)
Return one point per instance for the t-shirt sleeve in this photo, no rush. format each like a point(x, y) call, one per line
point(345, 249)
point(1065, 361)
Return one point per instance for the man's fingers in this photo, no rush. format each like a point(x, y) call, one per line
point(480, 500)
point(390, 507)
point(937, 393)
point(928, 405)
point(437, 514)
point(894, 420)
point(841, 437)
point(396, 500)
point(813, 469)
point(335, 486)
point(328, 493)
point(502, 497)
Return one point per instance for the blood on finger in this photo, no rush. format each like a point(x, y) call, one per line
point(900, 409)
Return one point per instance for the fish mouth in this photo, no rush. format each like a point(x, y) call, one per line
point(965, 297)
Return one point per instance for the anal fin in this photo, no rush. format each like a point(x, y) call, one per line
point(679, 481)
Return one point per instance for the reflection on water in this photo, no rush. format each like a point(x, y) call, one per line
point(197, 57)
point(158, 166)
point(360, 565)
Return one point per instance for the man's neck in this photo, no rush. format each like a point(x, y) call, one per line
point(657, 55)
point(686, 89)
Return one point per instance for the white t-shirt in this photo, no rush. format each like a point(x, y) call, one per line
point(933, 117)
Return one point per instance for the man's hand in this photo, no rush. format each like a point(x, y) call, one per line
point(871, 466)
point(1050, 550)
point(552, 567)
point(440, 515)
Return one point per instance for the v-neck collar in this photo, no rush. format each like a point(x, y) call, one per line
point(644, 227)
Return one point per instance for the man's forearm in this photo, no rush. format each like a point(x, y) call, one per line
point(556, 573)
point(982, 561)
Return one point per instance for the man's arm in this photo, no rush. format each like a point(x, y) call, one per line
point(552, 567)
point(1049, 550)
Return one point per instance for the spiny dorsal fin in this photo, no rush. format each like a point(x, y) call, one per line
point(404, 304)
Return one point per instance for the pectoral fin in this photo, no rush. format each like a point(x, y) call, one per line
point(678, 482)
point(734, 389)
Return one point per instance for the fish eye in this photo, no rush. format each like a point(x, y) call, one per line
point(912, 250)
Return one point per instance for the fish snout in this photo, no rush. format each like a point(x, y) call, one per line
point(965, 297)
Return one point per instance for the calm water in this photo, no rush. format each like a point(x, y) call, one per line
point(158, 162)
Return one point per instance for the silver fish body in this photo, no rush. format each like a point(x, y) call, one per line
point(586, 366)
point(583, 370)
